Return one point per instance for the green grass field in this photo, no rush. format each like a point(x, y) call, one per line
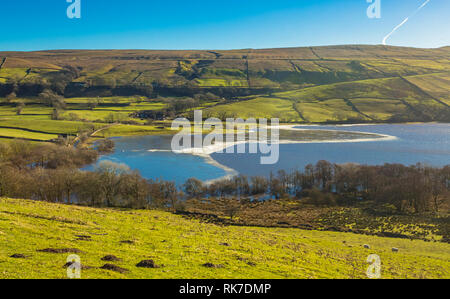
point(329, 110)
point(379, 109)
point(222, 82)
point(46, 125)
point(128, 130)
point(15, 133)
point(373, 100)
point(259, 108)
point(181, 247)
point(76, 117)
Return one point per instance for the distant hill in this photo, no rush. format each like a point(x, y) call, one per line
point(37, 238)
point(352, 83)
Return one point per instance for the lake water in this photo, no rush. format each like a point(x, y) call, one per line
point(151, 155)
point(427, 143)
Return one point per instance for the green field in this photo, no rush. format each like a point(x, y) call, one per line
point(374, 100)
point(127, 130)
point(259, 108)
point(181, 247)
point(46, 125)
point(379, 109)
point(15, 133)
point(46, 129)
point(222, 82)
point(329, 110)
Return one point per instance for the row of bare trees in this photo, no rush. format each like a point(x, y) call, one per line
point(417, 188)
point(109, 185)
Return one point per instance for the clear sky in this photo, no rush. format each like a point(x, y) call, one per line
point(218, 24)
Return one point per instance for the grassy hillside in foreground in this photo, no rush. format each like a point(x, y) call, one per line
point(332, 84)
point(181, 247)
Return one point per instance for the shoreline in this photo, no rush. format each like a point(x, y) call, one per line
point(221, 147)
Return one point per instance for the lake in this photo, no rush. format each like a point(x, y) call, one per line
point(151, 155)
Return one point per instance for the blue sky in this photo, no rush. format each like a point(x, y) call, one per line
point(217, 24)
